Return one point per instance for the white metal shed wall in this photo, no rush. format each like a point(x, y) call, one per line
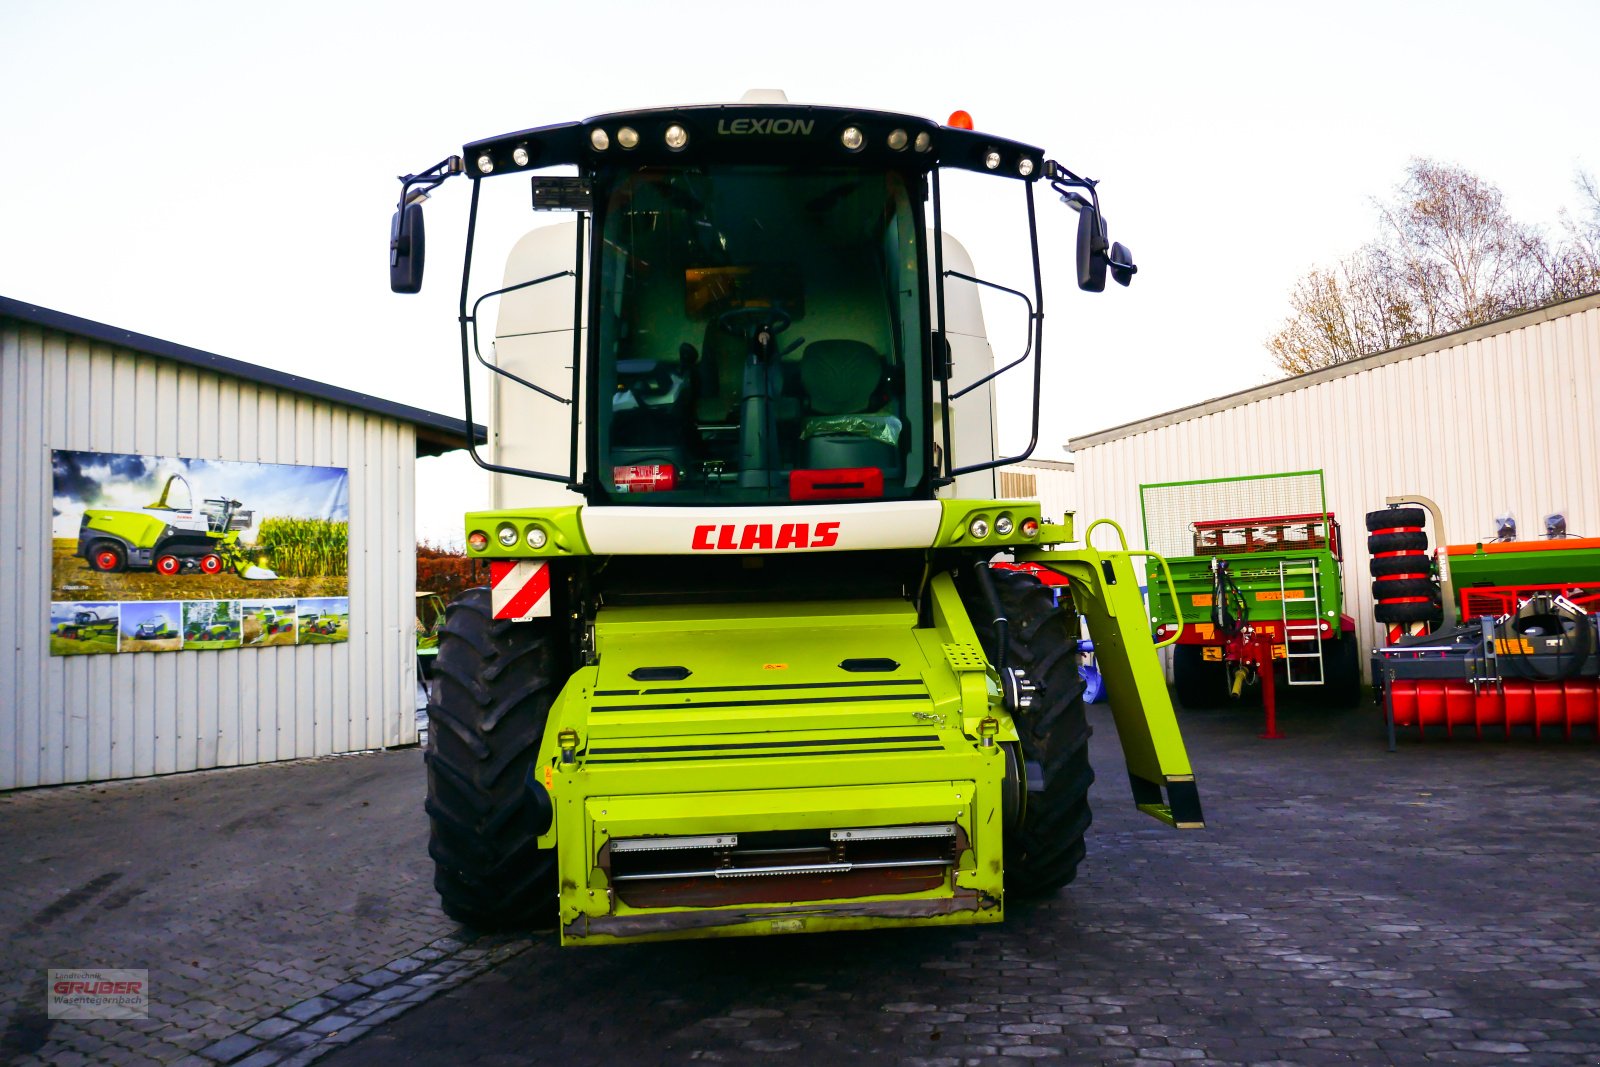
point(1503, 415)
point(1055, 485)
point(90, 718)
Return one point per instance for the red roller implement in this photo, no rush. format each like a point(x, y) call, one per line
point(1513, 704)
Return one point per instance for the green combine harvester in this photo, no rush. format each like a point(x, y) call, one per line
point(744, 666)
point(1257, 588)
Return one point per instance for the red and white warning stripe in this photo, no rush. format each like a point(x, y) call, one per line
point(519, 590)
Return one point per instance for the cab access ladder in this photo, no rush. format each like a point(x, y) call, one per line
point(1302, 638)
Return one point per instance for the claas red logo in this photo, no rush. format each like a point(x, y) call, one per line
point(765, 535)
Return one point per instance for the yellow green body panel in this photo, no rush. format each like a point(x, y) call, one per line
point(808, 716)
point(767, 732)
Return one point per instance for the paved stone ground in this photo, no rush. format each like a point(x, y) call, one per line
point(245, 893)
point(1345, 906)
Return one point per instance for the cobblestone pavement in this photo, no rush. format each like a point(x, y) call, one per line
point(1345, 906)
point(245, 893)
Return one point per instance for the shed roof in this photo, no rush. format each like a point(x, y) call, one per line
point(1518, 321)
point(436, 433)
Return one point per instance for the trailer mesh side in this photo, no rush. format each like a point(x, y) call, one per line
point(1171, 510)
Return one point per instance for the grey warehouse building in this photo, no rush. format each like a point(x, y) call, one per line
point(67, 383)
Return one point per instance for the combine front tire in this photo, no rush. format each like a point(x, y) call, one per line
point(1045, 844)
point(495, 682)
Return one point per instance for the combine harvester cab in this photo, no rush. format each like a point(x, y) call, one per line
point(744, 666)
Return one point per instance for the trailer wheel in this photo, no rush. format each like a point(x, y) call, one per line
point(108, 556)
point(1200, 683)
point(1393, 518)
point(1341, 678)
point(494, 684)
point(1045, 843)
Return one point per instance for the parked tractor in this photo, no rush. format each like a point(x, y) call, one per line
point(1257, 589)
point(210, 631)
point(317, 623)
point(170, 536)
point(430, 619)
point(743, 666)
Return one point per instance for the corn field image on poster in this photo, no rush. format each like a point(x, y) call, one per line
point(129, 529)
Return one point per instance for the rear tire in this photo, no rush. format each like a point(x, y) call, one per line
point(1419, 611)
point(1341, 679)
point(1395, 588)
point(1392, 518)
point(1388, 566)
point(1045, 844)
point(1409, 541)
point(494, 684)
point(1200, 683)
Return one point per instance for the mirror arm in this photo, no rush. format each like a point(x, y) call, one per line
point(428, 180)
point(1063, 181)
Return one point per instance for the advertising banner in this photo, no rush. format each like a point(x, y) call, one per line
point(158, 554)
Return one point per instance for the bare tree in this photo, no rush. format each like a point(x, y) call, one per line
point(1573, 268)
point(1448, 256)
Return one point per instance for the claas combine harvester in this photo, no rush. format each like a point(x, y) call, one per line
point(744, 666)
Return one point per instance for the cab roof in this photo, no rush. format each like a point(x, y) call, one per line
point(754, 133)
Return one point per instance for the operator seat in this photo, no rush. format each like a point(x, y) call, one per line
point(848, 426)
point(720, 373)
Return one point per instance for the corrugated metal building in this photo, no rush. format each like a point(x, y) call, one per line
point(68, 383)
point(1500, 416)
point(1052, 482)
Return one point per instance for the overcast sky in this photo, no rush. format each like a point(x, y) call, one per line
point(223, 176)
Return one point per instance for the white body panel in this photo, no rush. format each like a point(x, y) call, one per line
point(972, 419)
point(814, 528)
point(533, 340)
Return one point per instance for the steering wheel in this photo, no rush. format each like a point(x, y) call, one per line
point(745, 321)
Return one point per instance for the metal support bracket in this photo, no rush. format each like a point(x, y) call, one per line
point(1105, 591)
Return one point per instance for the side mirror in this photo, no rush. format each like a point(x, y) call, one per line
point(406, 249)
point(1091, 249)
point(1122, 265)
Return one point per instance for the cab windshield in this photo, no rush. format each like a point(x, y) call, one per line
point(761, 336)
